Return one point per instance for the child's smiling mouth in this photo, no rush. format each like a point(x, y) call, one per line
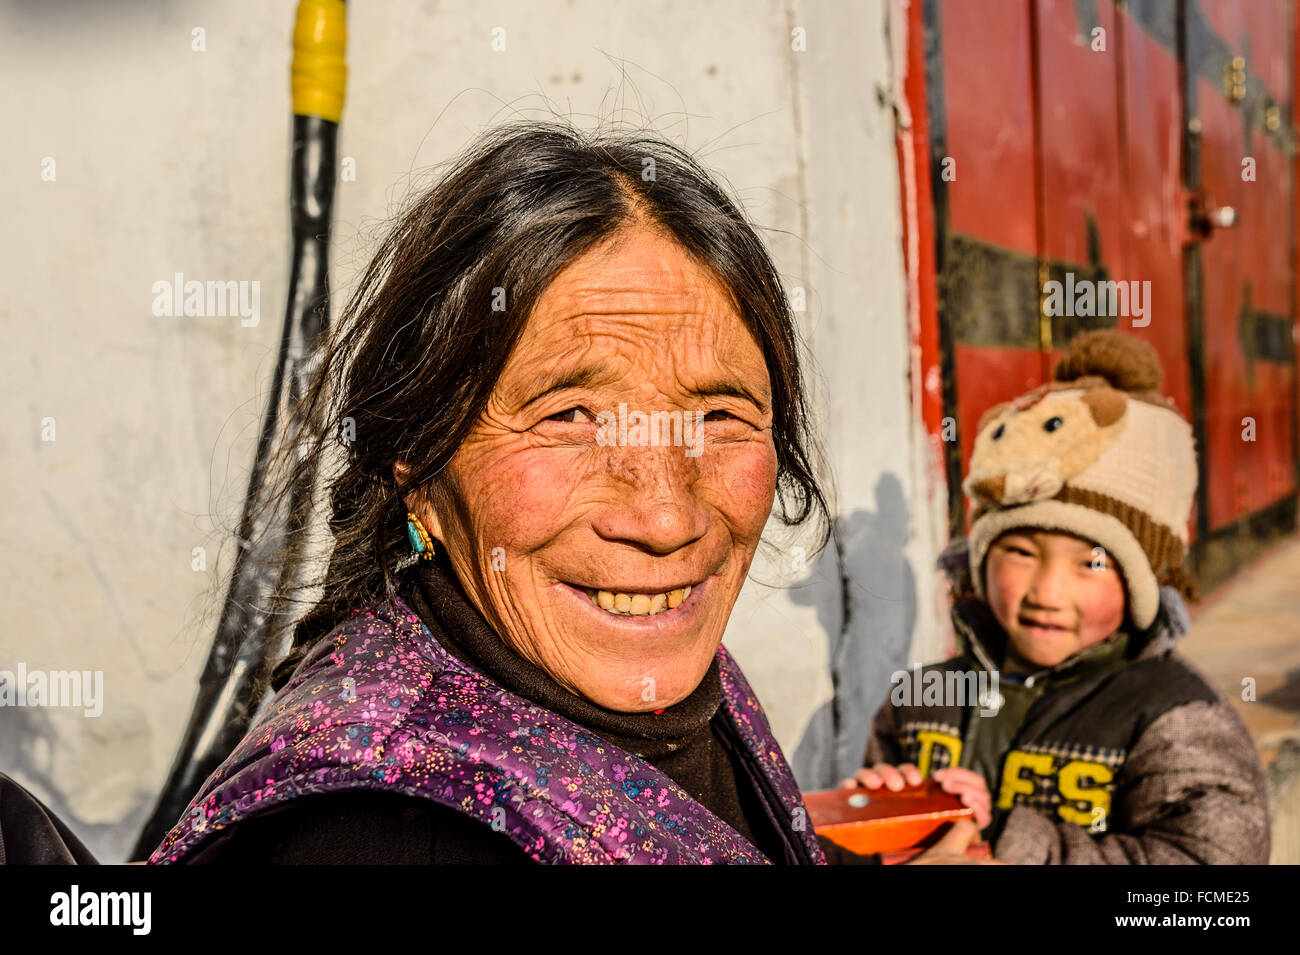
point(1038, 624)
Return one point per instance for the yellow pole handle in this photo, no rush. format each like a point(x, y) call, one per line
point(320, 73)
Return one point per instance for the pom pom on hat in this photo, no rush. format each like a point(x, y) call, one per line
point(1127, 363)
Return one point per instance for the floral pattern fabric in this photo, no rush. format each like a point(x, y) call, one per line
point(380, 704)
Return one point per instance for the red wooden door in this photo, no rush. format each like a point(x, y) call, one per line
point(1238, 92)
point(1070, 137)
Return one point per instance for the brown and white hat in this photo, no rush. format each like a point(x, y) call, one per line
point(1099, 453)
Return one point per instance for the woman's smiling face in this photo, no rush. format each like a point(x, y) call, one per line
point(549, 505)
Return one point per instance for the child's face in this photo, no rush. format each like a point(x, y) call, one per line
point(1055, 594)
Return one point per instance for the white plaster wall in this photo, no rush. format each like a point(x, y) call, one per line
point(855, 615)
point(169, 160)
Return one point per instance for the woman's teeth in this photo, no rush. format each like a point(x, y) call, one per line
point(637, 605)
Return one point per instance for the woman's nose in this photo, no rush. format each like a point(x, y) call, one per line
point(654, 504)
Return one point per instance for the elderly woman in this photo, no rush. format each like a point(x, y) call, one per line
point(568, 393)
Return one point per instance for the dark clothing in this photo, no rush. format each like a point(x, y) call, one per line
point(363, 828)
point(1021, 693)
point(377, 827)
point(32, 835)
point(1122, 754)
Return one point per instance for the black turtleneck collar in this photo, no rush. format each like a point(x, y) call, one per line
point(435, 593)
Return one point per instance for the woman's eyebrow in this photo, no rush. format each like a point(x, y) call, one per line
point(585, 376)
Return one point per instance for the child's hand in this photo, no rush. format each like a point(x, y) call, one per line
point(892, 778)
point(966, 785)
point(951, 848)
point(970, 788)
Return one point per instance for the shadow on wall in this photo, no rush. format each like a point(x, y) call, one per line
point(868, 625)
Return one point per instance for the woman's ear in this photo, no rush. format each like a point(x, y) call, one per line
point(401, 470)
point(420, 501)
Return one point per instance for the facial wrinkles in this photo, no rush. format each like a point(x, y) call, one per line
point(653, 480)
point(562, 507)
point(659, 360)
point(644, 477)
point(640, 300)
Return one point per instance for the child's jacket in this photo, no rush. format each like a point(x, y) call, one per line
point(1125, 753)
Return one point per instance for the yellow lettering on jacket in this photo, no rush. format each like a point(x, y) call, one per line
point(928, 740)
point(1014, 782)
point(1068, 779)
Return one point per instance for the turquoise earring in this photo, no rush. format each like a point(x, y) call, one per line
point(421, 542)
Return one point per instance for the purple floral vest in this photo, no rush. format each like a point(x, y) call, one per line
point(380, 704)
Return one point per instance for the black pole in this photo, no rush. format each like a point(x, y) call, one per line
point(225, 704)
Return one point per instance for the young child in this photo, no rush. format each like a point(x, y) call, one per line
point(1094, 742)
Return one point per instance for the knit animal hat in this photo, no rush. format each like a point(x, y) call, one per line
point(1097, 453)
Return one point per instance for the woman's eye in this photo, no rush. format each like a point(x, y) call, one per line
point(580, 415)
point(563, 416)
